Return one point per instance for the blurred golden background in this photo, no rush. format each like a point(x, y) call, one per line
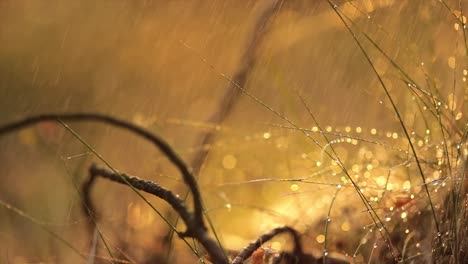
point(169, 66)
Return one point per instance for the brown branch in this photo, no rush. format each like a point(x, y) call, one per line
point(248, 250)
point(162, 145)
point(143, 185)
point(194, 221)
point(193, 228)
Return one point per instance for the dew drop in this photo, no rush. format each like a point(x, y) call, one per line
point(294, 187)
point(229, 162)
point(345, 226)
point(451, 61)
point(320, 239)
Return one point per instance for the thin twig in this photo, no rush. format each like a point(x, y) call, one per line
point(143, 185)
point(161, 144)
point(195, 225)
point(250, 249)
point(177, 204)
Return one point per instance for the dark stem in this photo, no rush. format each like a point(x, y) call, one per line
point(195, 225)
point(248, 250)
point(161, 144)
point(143, 185)
point(194, 230)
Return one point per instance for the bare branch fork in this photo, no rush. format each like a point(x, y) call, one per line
point(143, 185)
point(161, 144)
point(196, 227)
point(194, 221)
point(197, 231)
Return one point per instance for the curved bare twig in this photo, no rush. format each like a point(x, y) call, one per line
point(196, 227)
point(249, 250)
point(161, 144)
point(144, 185)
